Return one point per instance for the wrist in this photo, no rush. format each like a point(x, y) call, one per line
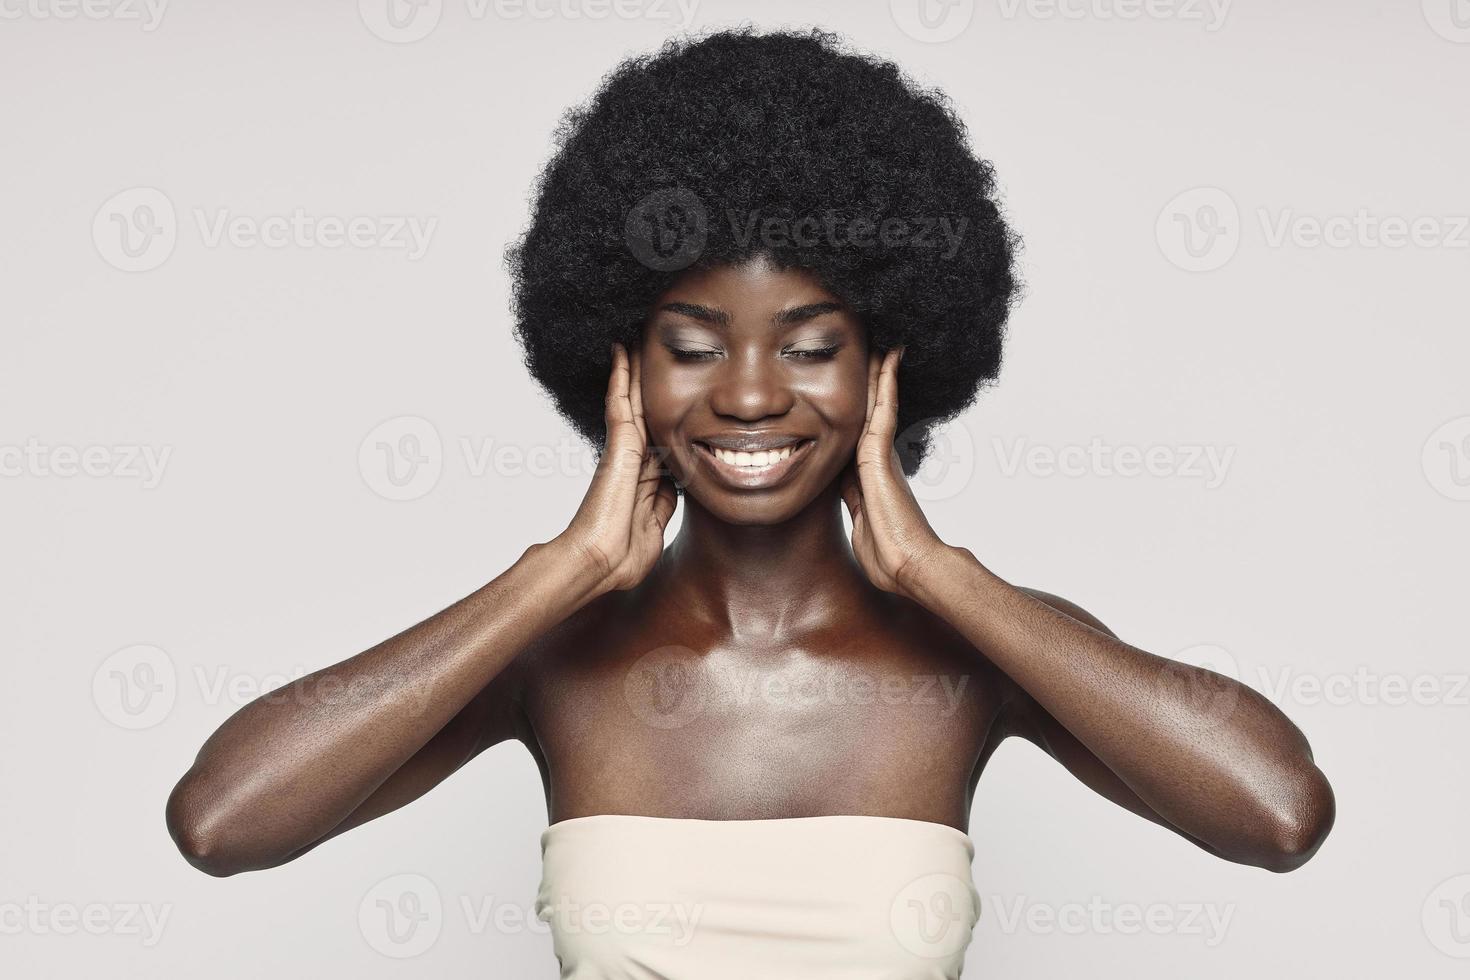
point(941, 568)
point(574, 575)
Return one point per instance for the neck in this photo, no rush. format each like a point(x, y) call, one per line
point(764, 580)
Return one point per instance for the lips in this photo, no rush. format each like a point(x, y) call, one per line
point(750, 441)
point(765, 465)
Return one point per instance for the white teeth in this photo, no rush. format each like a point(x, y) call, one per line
point(753, 461)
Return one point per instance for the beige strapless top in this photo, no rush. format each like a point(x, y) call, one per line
point(804, 898)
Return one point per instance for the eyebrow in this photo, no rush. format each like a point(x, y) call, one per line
point(786, 317)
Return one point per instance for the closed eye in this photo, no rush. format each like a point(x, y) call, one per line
point(682, 354)
point(816, 353)
point(810, 353)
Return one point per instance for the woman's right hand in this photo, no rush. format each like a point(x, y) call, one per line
point(619, 527)
point(362, 737)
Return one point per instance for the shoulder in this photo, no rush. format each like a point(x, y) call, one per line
point(504, 698)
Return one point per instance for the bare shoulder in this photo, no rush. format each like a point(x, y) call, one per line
point(504, 698)
point(916, 639)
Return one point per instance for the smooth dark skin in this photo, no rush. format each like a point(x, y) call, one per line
point(759, 589)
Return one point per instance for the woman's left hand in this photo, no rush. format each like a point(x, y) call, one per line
point(890, 535)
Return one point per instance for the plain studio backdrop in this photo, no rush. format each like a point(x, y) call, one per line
point(261, 408)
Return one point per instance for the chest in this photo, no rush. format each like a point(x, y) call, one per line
point(886, 724)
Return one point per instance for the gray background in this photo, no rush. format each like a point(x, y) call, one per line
point(1323, 562)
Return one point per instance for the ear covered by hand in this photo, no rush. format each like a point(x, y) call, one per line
point(891, 537)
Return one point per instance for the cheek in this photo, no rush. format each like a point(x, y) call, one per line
point(840, 396)
point(663, 406)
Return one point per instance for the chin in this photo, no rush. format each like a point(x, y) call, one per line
point(751, 510)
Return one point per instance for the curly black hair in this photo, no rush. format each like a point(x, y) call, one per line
point(716, 148)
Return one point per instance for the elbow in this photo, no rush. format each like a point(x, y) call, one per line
point(200, 852)
point(1300, 827)
point(195, 833)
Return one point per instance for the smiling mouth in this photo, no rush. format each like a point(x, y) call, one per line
point(754, 469)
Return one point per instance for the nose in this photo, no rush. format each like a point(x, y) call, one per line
point(750, 386)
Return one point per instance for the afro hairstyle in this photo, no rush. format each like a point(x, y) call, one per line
point(716, 148)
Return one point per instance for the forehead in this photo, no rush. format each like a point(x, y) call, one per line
point(754, 288)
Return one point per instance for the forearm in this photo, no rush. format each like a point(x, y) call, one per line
point(1210, 755)
point(291, 765)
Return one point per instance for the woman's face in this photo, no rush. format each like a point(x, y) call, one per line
point(754, 360)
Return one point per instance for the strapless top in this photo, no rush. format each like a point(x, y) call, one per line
point(804, 898)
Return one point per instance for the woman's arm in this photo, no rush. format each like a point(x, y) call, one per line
point(1228, 770)
point(353, 741)
point(1185, 746)
point(362, 737)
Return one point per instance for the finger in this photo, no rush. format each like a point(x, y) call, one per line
point(895, 466)
point(635, 391)
point(884, 421)
point(665, 502)
point(616, 405)
point(622, 432)
point(656, 491)
point(648, 477)
point(875, 361)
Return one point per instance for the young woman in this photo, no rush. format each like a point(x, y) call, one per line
point(760, 270)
